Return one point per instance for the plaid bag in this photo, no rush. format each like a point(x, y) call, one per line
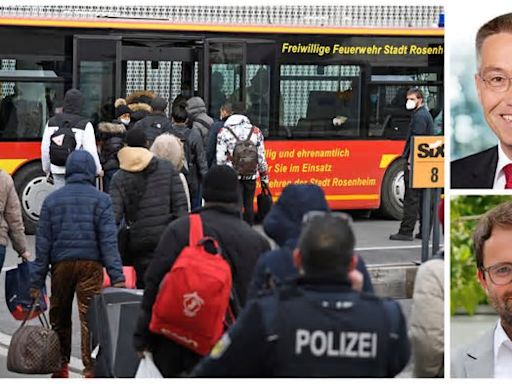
point(34, 349)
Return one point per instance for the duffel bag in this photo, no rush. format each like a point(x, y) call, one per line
point(34, 349)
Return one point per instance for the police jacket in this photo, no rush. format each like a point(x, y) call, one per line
point(314, 327)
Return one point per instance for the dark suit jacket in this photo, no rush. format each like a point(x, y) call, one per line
point(475, 171)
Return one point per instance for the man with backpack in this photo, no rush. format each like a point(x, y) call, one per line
point(64, 133)
point(196, 166)
point(240, 246)
point(318, 325)
point(147, 193)
point(241, 146)
point(156, 122)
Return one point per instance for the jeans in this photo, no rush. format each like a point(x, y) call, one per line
point(247, 190)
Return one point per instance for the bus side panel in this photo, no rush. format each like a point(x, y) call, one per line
point(349, 172)
point(14, 154)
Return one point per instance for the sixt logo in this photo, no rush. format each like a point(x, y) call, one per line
point(431, 150)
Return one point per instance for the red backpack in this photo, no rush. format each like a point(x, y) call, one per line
point(191, 305)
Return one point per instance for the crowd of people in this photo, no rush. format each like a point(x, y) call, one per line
point(306, 308)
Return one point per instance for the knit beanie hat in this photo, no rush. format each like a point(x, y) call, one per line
point(120, 108)
point(136, 138)
point(221, 185)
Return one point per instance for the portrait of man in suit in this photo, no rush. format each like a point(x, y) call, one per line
point(491, 354)
point(491, 168)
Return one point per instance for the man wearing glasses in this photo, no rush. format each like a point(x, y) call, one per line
point(491, 354)
point(491, 168)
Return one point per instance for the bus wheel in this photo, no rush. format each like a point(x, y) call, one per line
point(32, 189)
point(393, 189)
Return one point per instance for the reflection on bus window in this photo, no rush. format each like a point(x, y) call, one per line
point(25, 107)
point(388, 117)
point(320, 101)
point(258, 96)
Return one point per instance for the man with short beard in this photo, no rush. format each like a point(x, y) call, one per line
point(491, 355)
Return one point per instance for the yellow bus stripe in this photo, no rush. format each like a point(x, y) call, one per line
point(386, 159)
point(9, 165)
point(159, 25)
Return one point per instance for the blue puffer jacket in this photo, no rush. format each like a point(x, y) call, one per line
point(77, 223)
point(283, 224)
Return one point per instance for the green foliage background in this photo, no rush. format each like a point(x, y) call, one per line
point(465, 290)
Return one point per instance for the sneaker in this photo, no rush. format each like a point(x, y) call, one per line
point(400, 236)
point(418, 236)
point(63, 373)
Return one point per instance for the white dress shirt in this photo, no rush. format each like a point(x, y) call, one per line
point(499, 178)
point(502, 353)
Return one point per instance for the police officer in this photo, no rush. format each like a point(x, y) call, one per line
point(317, 325)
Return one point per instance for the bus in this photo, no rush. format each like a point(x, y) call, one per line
point(329, 98)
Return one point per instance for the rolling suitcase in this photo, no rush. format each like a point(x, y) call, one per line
point(112, 318)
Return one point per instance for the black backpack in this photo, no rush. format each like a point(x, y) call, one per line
point(63, 142)
point(245, 155)
point(186, 149)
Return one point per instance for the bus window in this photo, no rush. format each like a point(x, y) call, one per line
point(388, 116)
point(28, 94)
point(320, 101)
point(258, 95)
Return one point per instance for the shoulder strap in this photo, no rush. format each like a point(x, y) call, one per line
point(250, 134)
point(233, 133)
point(203, 123)
point(195, 230)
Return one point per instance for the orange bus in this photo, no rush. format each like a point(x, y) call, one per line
point(330, 100)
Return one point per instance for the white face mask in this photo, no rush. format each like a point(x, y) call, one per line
point(125, 121)
point(411, 104)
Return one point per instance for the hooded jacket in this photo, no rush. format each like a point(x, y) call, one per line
point(163, 199)
point(283, 224)
point(83, 129)
point(196, 110)
point(11, 220)
point(77, 223)
point(111, 136)
point(195, 154)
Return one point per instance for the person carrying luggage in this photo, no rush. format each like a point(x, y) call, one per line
point(241, 146)
point(240, 246)
point(196, 166)
point(11, 221)
point(76, 238)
